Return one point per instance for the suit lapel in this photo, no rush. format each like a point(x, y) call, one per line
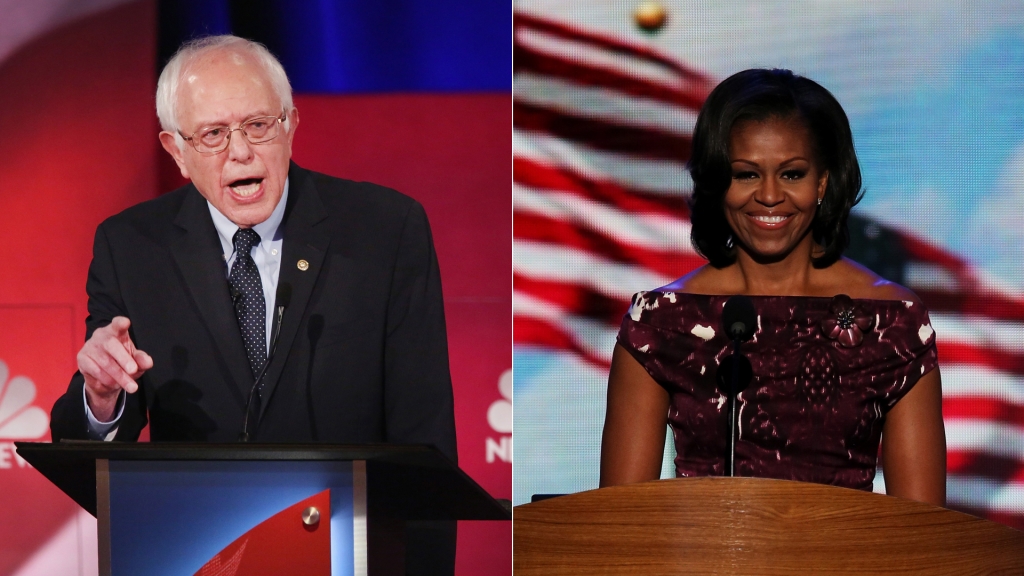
point(197, 252)
point(302, 243)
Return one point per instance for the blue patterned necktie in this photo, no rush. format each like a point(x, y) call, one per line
point(250, 305)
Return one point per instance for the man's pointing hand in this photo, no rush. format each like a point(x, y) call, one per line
point(110, 362)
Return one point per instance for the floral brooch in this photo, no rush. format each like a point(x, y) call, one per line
point(846, 321)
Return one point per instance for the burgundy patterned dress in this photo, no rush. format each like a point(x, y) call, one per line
point(826, 372)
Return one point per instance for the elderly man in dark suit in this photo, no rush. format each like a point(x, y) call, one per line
point(182, 290)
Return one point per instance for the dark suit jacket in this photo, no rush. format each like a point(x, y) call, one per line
point(362, 355)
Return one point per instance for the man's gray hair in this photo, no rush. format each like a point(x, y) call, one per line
point(179, 65)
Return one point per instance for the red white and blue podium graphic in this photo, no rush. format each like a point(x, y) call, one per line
point(220, 518)
point(293, 540)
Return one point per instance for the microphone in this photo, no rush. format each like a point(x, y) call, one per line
point(281, 301)
point(314, 330)
point(236, 295)
point(740, 320)
point(739, 317)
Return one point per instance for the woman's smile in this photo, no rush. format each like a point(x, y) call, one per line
point(770, 221)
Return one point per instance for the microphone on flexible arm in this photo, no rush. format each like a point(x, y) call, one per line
point(281, 301)
point(735, 374)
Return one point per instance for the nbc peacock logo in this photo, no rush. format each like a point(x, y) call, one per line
point(499, 416)
point(19, 419)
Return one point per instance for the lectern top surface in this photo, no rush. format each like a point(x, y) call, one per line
point(411, 481)
point(419, 455)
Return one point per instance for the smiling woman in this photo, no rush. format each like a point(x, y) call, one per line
point(745, 111)
point(777, 186)
point(840, 356)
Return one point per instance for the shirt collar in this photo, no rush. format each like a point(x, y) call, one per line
point(268, 229)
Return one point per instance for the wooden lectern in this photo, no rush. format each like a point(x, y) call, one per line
point(169, 508)
point(754, 526)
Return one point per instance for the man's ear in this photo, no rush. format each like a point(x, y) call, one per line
point(293, 123)
point(169, 142)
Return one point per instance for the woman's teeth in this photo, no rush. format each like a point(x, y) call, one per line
point(770, 219)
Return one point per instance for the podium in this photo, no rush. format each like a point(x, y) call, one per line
point(162, 506)
point(754, 526)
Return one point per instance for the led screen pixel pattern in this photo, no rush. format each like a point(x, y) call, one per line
point(934, 98)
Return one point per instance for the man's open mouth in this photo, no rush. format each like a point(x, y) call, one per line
point(246, 186)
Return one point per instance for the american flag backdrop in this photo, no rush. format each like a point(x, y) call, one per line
point(603, 117)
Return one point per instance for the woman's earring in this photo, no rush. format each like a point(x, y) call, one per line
point(728, 242)
point(819, 201)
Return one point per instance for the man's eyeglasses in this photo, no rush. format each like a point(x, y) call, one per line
point(215, 139)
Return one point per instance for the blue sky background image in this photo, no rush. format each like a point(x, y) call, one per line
point(934, 158)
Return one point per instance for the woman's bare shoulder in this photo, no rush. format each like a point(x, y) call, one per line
point(857, 281)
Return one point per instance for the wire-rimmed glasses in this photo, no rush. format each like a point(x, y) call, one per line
point(215, 139)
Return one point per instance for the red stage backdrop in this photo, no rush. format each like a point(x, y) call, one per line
point(76, 110)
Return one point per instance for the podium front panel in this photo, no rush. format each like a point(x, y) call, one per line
point(172, 517)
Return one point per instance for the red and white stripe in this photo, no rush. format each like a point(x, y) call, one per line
point(602, 132)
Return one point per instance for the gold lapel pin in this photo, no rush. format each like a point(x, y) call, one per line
point(303, 265)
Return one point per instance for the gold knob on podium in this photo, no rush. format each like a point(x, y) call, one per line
point(310, 516)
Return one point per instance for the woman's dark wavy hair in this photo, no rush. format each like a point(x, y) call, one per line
point(759, 94)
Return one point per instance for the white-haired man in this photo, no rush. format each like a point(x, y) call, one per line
point(182, 290)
